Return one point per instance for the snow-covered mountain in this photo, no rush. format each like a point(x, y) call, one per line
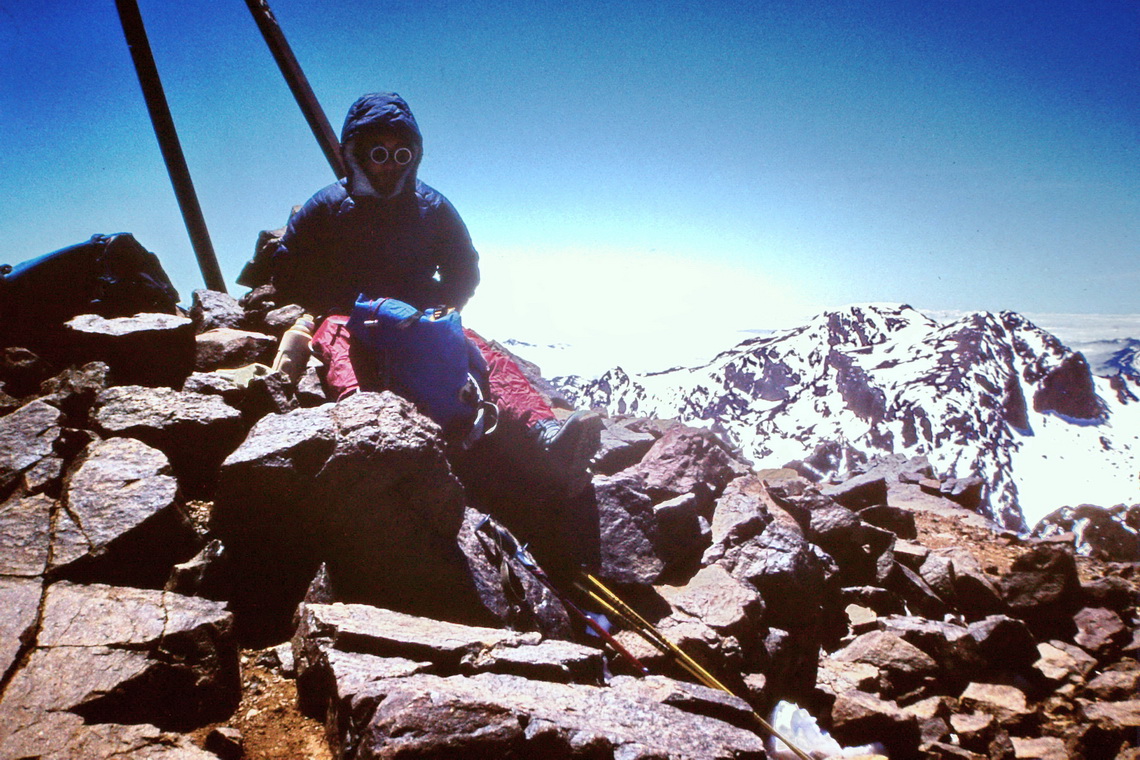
point(987, 394)
point(1113, 357)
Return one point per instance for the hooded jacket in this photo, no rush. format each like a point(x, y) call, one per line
point(347, 241)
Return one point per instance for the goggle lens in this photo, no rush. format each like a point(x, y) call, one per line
point(380, 155)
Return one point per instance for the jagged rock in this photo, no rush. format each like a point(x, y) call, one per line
point(8, 404)
point(881, 601)
point(25, 535)
point(1041, 748)
point(346, 695)
point(1099, 630)
point(932, 714)
point(911, 588)
point(1068, 390)
point(836, 529)
point(688, 460)
point(130, 524)
point(1004, 643)
point(227, 347)
point(20, 600)
point(64, 736)
point(894, 519)
point(968, 491)
point(146, 349)
point(1112, 592)
point(621, 447)
point(499, 715)
point(958, 579)
point(119, 655)
point(27, 436)
point(680, 533)
point(626, 524)
point(207, 574)
point(903, 665)
point(861, 619)
point(717, 599)
point(1006, 703)
point(278, 320)
point(704, 643)
point(215, 384)
point(74, 391)
point(779, 564)
point(951, 646)
point(362, 485)
point(1097, 532)
point(860, 718)
point(1060, 661)
point(947, 751)
point(270, 394)
point(1043, 589)
point(310, 389)
point(22, 371)
point(742, 512)
point(265, 392)
point(912, 555)
point(211, 309)
point(451, 648)
point(859, 492)
point(280, 658)
point(1115, 684)
point(520, 601)
point(339, 649)
point(837, 677)
point(792, 502)
point(226, 742)
point(196, 431)
point(975, 730)
point(1119, 716)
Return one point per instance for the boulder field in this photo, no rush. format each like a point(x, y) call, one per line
point(158, 518)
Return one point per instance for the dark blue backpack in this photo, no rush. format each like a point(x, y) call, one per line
point(109, 275)
point(424, 356)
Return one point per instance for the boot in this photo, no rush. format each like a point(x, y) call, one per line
point(568, 446)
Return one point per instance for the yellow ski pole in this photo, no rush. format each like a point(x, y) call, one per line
point(667, 647)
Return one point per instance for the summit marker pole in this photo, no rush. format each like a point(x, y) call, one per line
point(297, 82)
point(168, 143)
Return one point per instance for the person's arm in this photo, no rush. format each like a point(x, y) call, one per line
point(296, 263)
point(456, 258)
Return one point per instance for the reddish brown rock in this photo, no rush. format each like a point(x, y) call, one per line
point(1099, 630)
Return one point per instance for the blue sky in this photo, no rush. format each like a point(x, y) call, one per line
point(745, 164)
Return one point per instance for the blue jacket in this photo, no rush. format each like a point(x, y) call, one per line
point(345, 241)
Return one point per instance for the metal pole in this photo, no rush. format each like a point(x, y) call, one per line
point(298, 84)
point(163, 124)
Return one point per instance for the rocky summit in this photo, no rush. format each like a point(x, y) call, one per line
point(202, 563)
point(986, 396)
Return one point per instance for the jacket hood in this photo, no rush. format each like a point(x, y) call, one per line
point(378, 112)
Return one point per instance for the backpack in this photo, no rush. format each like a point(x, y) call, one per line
point(109, 275)
point(424, 356)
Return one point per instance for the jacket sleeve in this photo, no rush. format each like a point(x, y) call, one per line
point(456, 258)
point(296, 263)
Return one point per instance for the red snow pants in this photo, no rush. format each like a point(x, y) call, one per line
point(516, 398)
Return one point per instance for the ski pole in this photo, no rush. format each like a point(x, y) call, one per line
point(527, 561)
point(668, 648)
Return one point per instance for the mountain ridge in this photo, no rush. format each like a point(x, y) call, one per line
point(978, 395)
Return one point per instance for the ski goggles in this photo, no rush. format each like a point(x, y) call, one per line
point(380, 155)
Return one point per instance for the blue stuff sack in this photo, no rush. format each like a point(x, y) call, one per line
point(424, 356)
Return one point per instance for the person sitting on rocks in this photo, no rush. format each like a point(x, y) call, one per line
point(382, 233)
